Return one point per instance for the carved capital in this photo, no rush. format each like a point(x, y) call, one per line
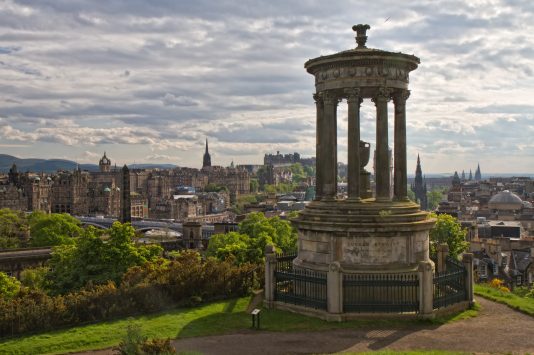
point(400, 96)
point(353, 95)
point(318, 98)
point(329, 98)
point(334, 266)
point(383, 94)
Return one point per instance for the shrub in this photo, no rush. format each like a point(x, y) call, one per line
point(154, 286)
point(496, 283)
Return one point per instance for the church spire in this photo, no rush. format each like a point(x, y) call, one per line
point(419, 186)
point(206, 161)
point(478, 175)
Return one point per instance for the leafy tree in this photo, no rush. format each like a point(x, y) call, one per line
point(9, 286)
point(53, 229)
point(434, 198)
point(411, 194)
point(254, 185)
point(233, 244)
point(35, 278)
point(255, 233)
point(448, 230)
point(211, 187)
point(13, 226)
point(93, 259)
point(297, 172)
point(270, 189)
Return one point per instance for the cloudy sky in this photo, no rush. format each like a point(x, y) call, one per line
point(147, 81)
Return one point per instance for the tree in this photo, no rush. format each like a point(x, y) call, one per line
point(53, 229)
point(434, 197)
point(297, 172)
point(255, 233)
point(97, 260)
point(279, 231)
point(447, 230)
point(35, 278)
point(211, 187)
point(233, 244)
point(254, 185)
point(13, 228)
point(9, 286)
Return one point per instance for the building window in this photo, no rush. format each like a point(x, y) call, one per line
point(482, 270)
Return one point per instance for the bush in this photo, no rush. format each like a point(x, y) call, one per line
point(152, 287)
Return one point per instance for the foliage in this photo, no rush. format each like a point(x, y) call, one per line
point(211, 187)
point(434, 198)
point(297, 172)
point(13, 225)
point(411, 195)
point(53, 229)
point(35, 278)
point(255, 233)
point(91, 259)
point(231, 245)
point(9, 286)
point(134, 343)
point(211, 319)
point(522, 304)
point(151, 287)
point(448, 230)
point(131, 343)
point(254, 185)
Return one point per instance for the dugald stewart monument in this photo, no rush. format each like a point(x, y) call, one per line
point(361, 254)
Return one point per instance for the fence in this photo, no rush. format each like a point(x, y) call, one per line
point(299, 286)
point(387, 293)
point(450, 286)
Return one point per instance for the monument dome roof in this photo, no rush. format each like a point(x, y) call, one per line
point(505, 200)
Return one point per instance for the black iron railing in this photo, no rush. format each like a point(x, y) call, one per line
point(284, 262)
point(301, 287)
point(450, 286)
point(389, 293)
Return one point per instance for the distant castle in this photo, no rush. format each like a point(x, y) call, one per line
point(287, 159)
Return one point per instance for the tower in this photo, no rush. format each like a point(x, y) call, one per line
point(470, 175)
point(126, 203)
point(419, 186)
point(13, 175)
point(478, 175)
point(463, 175)
point(104, 164)
point(206, 161)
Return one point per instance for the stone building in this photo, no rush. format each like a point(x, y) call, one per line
point(419, 186)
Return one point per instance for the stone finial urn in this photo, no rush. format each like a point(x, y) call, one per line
point(365, 151)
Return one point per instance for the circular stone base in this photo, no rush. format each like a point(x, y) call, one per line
point(363, 236)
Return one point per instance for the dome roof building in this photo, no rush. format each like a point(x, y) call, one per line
point(505, 201)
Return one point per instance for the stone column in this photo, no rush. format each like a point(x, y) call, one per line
point(329, 147)
point(354, 100)
point(443, 252)
point(318, 146)
point(400, 177)
point(382, 178)
point(426, 288)
point(334, 293)
point(270, 266)
point(467, 260)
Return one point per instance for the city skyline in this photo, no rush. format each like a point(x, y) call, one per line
point(148, 83)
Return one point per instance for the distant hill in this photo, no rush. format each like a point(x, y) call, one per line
point(53, 165)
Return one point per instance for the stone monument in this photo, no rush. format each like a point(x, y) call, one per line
point(362, 254)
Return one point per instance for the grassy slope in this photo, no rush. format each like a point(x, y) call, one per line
point(215, 318)
point(523, 304)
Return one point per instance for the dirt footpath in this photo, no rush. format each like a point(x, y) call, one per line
point(497, 329)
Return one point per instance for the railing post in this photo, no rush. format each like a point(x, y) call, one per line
point(270, 268)
point(467, 260)
point(334, 292)
point(426, 288)
point(443, 252)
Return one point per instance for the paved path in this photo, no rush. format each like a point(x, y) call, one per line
point(497, 329)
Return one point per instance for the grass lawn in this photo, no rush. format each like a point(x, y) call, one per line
point(523, 304)
point(215, 318)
